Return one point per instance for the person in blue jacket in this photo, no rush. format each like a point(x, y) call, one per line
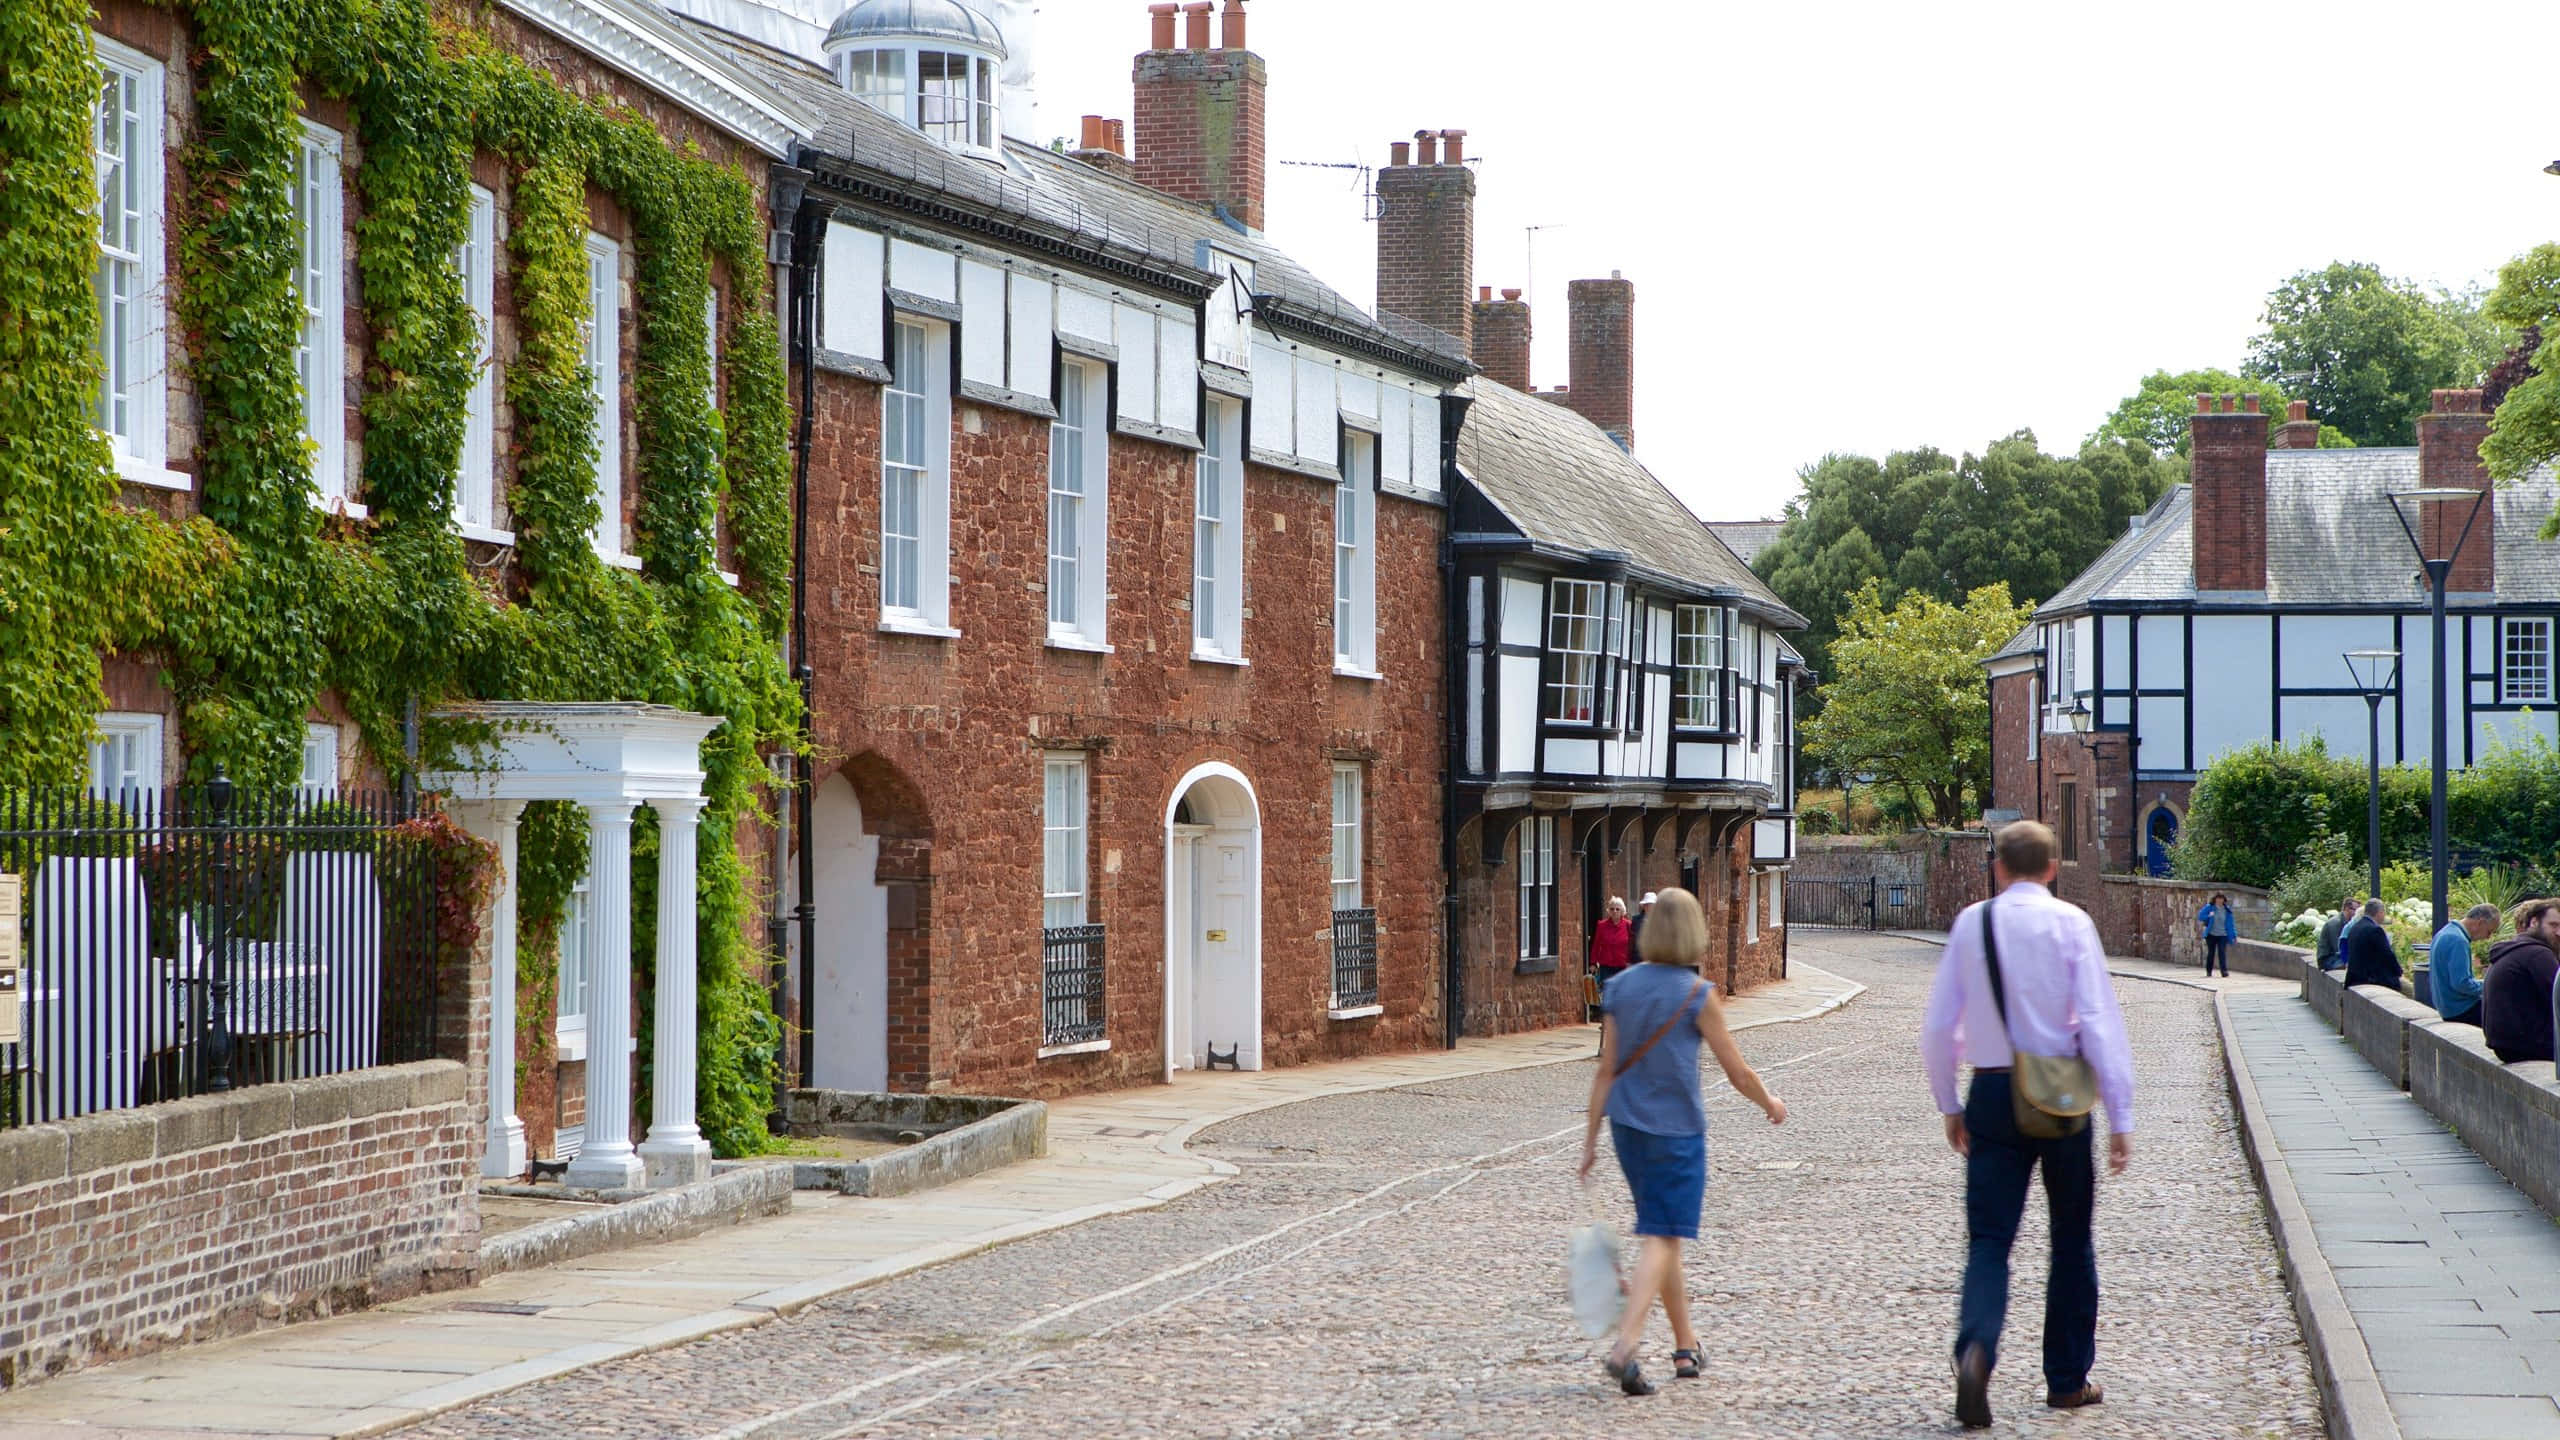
point(2220, 929)
point(2450, 981)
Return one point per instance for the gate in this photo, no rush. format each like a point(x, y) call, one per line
point(1844, 904)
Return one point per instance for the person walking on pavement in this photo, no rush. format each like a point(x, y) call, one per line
point(2330, 930)
point(2371, 959)
point(2219, 930)
point(1654, 1016)
point(2516, 1000)
point(1635, 927)
point(1610, 945)
point(2450, 982)
point(2049, 995)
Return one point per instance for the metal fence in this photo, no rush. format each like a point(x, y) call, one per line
point(178, 942)
point(1071, 985)
point(1848, 904)
point(1355, 958)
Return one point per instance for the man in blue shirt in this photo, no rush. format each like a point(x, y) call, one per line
point(2449, 977)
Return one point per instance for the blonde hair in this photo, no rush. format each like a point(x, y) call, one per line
point(1675, 930)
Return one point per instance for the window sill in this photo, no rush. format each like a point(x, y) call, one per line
point(157, 477)
point(485, 535)
point(1212, 657)
point(340, 505)
point(1057, 641)
point(917, 625)
point(618, 561)
point(1355, 1012)
point(1354, 672)
point(1536, 965)
point(1087, 1047)
point(570, 1046)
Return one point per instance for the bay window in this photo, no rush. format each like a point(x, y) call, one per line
point(1698, 662)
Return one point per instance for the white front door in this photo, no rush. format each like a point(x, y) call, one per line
point(850, 1010)
point(1223, 982)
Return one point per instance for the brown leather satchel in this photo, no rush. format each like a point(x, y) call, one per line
point(2050, 1096)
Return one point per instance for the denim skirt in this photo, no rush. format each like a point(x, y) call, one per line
point(1667, 1175)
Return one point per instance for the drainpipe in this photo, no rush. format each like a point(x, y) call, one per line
point(1453, 416)
point(809, 215)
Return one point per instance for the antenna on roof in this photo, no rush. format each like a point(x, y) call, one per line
point(1368, 186)
point(1529, 284)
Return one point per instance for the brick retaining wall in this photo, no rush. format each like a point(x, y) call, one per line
point(124, 1232)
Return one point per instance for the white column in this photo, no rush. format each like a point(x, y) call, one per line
point(675, 1152)
point(607, 1162)
point(506, 1153)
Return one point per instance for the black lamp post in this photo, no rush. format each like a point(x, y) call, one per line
point(2439, 569)
point(2377, 673)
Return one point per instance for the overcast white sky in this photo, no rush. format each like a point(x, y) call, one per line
point(1864, 227)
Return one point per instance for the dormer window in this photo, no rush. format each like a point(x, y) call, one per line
point(934, 65)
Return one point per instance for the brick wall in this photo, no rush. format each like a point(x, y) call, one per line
point(1502, 339)
point(1603, 355)
point(1426, 246)
point(2449, 437)
point(2230, 475)
point(2156, 919)
point(2013, 727)
point(1199, 127)
point(129, 1231)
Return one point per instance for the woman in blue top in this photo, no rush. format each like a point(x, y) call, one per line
point(2215, 921)
point(1655, 1014)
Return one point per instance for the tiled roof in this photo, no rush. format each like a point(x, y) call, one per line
point(1560, 480)
point(1747, 538)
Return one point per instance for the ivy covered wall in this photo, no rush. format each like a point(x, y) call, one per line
point(259, 605)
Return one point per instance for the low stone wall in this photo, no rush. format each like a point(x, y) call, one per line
point(124, 1232)
point(2266, 957)
point(2156, 919)
point(738, 1191)
point(1939, 872)
point(2377, 1022)
point(2326, 990)
point(967, 1134)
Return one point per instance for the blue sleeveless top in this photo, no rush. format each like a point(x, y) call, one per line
point(1660, 1094)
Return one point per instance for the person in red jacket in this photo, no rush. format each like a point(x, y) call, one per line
point(1609, 943)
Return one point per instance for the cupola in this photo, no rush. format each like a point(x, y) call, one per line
point(934, 65)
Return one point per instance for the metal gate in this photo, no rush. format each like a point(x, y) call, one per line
point(1847, 904)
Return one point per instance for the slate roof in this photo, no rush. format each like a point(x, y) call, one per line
point(2331, 539)
point(1559, 480)
point(1747, 538)
point(1071, 199)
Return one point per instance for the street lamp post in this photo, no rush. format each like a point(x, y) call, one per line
point(2439, 570)
point(2376, 672)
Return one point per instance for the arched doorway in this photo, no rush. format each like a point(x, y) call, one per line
point(1213, 921)
point(849, 1006)
point(2160, 832)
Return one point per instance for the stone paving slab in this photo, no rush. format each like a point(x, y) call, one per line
point(1109, 1154)
point(2441, 1261)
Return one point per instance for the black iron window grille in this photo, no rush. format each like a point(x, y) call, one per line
point(1071, 985)
point(1355, 958)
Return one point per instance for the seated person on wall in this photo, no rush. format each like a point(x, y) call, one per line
point(2449, 979)
point(2331, 930)
point(2367, 943)
point(2515, 1001)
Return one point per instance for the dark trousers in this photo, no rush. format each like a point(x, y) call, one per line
point(1995, 1195)
point(2217, 948)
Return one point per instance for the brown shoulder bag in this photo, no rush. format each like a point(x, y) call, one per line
point(2050, 1096)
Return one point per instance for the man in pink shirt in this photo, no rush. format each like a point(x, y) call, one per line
point(2058, 1001)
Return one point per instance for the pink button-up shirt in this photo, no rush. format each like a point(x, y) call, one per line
point(2061, 999)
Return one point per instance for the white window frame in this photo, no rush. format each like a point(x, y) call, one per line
point(1537, 912)
point(2524, 671)
point(601, 342)
point(979, 124)
point(576, 970)
point(135, 372)
point(1065, 814)
point(320, 283)
point(1348, 814)
point(1080, 507)
point(475, 490)
point(1217, 535)
point(1751, 911)
point(1697, 657)
point(319, 761)
point(126, 752)
point(1355, 558)
point(921, 456)
point(1577, 627)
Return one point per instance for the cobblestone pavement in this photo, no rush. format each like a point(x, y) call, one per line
point(1390, 1263)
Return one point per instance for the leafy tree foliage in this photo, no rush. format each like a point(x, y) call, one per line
point(2526, 431)
point(2157, 412)
point(1908, 700)
point(2365, 348)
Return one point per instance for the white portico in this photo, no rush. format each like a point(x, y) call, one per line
point(609, 759)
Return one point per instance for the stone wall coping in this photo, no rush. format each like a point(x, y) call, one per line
point(63, 1149)
point(2206, 887)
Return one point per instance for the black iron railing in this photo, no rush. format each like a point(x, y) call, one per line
point(1355, 958)
point(178, 942)
point(1849, 904)
point(1071, 985)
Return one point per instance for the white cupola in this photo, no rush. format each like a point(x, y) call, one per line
point(936, 65)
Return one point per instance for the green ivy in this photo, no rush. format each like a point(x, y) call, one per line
point(263, 604)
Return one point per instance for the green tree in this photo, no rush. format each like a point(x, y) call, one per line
point(2157, 412)
point(1908, 700)
point(2365, 348)
point(2526, 430)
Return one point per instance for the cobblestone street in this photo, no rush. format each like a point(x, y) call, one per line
point(1390, 1263)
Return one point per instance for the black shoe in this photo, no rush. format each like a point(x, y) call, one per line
point(1628, 1374)
point(1973, 1388)
point(1686, 1364)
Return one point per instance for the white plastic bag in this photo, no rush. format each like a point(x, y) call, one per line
point(1591, 1275)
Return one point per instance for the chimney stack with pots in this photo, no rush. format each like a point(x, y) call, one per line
point(2449, 437)
point(1099, 145)
point(1502, 337)
point(2299, 431)
point(1601, 319)
point(1200, 128)
point(2228, 440)
point(1427, 234)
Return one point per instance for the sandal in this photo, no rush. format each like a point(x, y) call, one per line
point(1628, 1374)
point(2085, 1395)
point(1685, 1364)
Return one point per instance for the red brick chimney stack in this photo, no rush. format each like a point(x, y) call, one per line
point(2228, 437)
point(1602, 350)
point(2299, 431)
point(1502, 337)
point(1200, 128)
point(1427, 234)
point(2449, 439)
point(1099, 145)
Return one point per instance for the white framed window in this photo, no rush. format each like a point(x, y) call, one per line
point(915, 480)
point(319, 281)
point(319, 761)
point(1217, 540)
point(2524, 660)
point(129, 145)
point(1355, 557)
point(1062, 841)
point(950, 95)
point(125, 754)
point(603, 363)
point(1577, 617)
point(1777, 899)
point(1537, 887)
point(577, 939)
point(475, 491)
point(1347, 858)
point(1079, 505)
point(711, 349)
point(1754, 898)
point(1697, 658)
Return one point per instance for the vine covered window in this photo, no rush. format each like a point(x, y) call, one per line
point(475, 494)
point(603, 362)
point(320, 355)
point(128, 142)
